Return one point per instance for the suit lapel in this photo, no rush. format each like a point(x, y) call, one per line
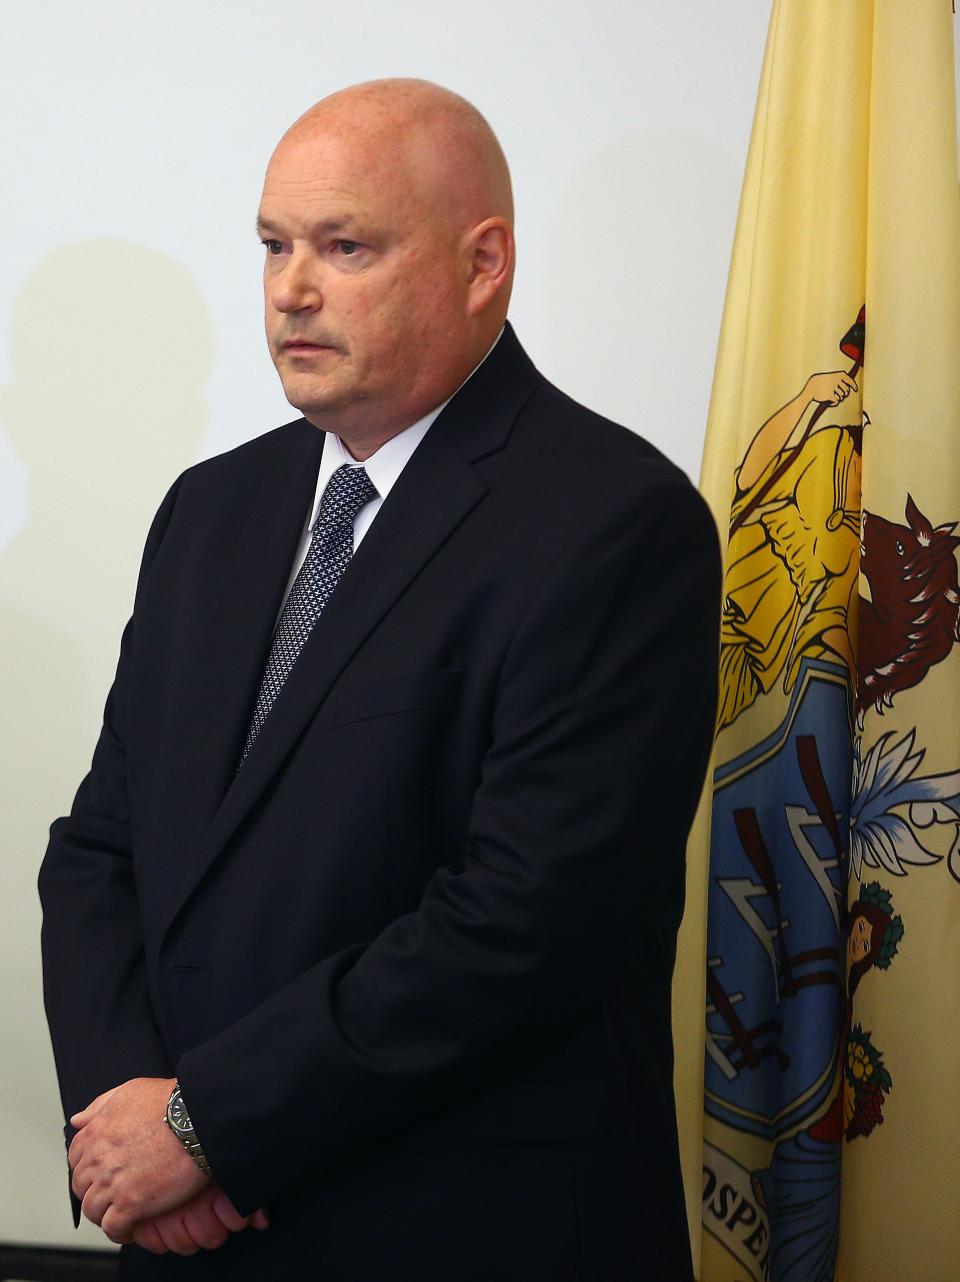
point(256, 540)
point(435, 492)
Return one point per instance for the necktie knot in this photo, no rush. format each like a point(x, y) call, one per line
point(348, 490)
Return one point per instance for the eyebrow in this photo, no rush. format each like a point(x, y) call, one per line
point(325, 225)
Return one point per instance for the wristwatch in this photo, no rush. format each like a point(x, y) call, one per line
point(178, 1119)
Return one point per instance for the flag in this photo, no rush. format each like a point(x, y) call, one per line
point(831, 1136)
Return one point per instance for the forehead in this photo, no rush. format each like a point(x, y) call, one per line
point(331, 178)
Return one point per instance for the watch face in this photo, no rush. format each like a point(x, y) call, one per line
point(178, 1115)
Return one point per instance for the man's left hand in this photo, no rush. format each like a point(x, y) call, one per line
point(127, 1164)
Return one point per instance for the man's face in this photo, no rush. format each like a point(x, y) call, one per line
point(364, 291)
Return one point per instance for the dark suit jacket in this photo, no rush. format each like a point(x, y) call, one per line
point(412, 964)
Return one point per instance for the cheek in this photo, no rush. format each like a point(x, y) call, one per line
point(392, 322)
point(376, 322)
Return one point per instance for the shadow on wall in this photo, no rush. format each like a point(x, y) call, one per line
point(640, 246)
point(112, 346)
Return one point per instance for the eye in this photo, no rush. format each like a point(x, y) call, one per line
point(899, 548)
point(347, 247)
point(272, 246)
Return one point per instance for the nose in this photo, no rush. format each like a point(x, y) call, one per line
point(295, 287)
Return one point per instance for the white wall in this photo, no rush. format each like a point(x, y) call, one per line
point(133, 145)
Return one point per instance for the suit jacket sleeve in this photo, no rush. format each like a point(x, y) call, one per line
point(598, 745)
point(101, 1020)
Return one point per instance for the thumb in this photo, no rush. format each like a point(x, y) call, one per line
point(80, 1119)
point(260, 1220)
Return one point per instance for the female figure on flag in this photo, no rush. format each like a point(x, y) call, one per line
point(793, 556)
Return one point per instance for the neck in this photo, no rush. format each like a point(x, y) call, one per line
point(360, 441)
point(361, 445)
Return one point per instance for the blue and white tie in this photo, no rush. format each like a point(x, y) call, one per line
point(348, 490)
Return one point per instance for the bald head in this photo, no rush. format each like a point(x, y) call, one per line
point(448, 145)
point(387, 216)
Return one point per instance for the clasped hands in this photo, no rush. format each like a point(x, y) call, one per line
point(139, 1184)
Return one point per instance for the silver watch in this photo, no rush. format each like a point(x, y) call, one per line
point(178, 1119)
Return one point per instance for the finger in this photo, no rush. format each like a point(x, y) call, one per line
point(260, 1219)
point(227, 1213)
point(81, 1118)
point(146, 1235)
point(75, 1151)
point(81, 1180)
point(174, 1234)
point(205, 1227)
point(119, 1225)
point(95, 1204)
point(851, 382)
point(120, 1236)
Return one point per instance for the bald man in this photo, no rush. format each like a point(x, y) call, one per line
point(358, 938)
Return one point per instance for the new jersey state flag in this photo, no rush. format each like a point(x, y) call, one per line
point(831, 1125)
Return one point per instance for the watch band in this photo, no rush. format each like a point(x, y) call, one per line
point(182, 1128)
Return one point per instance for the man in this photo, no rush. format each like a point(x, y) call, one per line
point(362, 926)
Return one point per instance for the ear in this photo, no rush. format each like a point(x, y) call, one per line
point(490, 259)
point(917, 521)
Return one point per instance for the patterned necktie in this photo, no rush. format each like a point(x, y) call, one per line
point(331, 548)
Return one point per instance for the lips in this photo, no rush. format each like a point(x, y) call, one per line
point(303, 345)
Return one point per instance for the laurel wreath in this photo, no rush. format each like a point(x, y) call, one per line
point(873, 893)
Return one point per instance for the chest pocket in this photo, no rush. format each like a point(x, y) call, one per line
point(408, 692)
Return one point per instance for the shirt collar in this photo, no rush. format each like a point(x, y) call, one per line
point(384, 465)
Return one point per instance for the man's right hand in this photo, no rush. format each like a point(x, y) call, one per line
point(205, 1222)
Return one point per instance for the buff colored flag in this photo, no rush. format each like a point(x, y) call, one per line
point(831, 1132)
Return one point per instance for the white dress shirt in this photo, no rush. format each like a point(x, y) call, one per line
point(383, 467)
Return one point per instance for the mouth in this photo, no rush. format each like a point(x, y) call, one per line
point(303, 347)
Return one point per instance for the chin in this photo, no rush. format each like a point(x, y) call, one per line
point(323, 412)
point(307, 398)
